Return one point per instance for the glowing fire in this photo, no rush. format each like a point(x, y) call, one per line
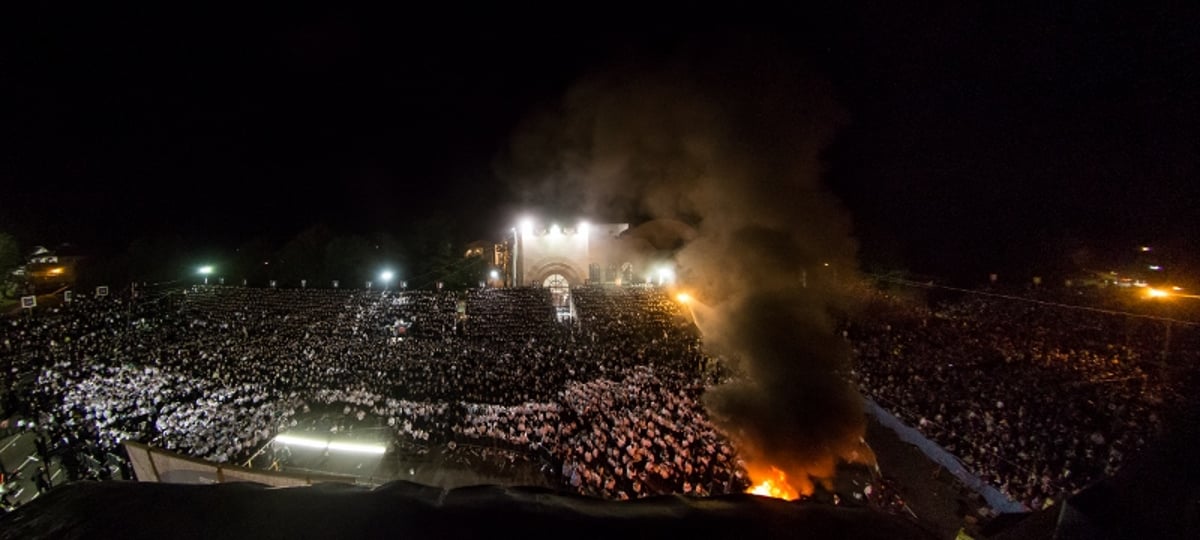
point(775, 485)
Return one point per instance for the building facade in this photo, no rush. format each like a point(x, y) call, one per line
point(549, 254)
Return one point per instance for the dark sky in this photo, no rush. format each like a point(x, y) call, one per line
point(979, 137)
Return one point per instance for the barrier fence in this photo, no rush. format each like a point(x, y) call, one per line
point(151, 464)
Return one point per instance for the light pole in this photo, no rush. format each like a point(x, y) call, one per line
point(514, 252)
point(1162, 294)
point(205, 271)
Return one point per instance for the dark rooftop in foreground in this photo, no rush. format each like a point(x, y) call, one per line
point(406, 510)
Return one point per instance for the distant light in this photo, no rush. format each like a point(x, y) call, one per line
point(204, 270)
point(494, 274)
point(56, 271)
point(826, 264)
point(665, 275)
point(1157, 293)
point(292, 440)
point(1145, 248)
point(386, 276)
point(684, 298)
point(1155, 267)
point(1176, 288)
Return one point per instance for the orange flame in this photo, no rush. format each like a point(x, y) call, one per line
point(775, 486)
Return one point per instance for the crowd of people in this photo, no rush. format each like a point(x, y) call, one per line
point(642, 435)
point(1037, 399)
point(215, 372)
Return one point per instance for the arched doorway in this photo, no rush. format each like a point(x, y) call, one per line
point(560, 294)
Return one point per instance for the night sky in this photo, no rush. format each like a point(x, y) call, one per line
point(978, 138)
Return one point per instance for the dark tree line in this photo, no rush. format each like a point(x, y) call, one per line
point(429, 252)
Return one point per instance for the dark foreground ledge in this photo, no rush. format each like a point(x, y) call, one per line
point(407, 510)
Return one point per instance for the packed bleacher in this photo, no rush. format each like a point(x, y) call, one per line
point(509, 313)
point(1036, 398)
point(216, 372)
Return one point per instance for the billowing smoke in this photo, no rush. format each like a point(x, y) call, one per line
point(731, 143)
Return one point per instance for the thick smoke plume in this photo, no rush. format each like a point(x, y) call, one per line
point(730, 143)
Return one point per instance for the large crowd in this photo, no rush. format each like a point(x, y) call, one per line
point(1039, 399)
point(216, 372)
point(1036, 400)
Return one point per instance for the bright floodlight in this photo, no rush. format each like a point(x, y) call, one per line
point(1157, 293)
point(526, 225)
point(386, 275)
point(204, 270)
point(554, 229)
point(494, 274)
point(359, 448)
point(583, 227)
point(684, 298)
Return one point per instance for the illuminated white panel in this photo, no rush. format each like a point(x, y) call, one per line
point(291, 440)
point(357, 447)
point(304, 442)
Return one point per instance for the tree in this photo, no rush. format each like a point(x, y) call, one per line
point(303, 257)
point(434, 250)
point(252, 261)
point(349, 259)
point(156, 258)
point(10, 253)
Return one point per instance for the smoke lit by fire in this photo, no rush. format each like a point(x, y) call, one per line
point(729, 141)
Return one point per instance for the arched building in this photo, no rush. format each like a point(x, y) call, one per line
point(551, 255)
